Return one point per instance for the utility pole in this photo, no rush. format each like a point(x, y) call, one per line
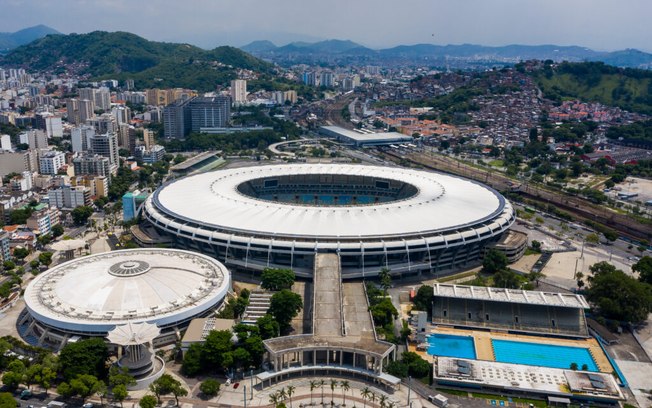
point(409, 390)
point(252, 384)
point(244, 391)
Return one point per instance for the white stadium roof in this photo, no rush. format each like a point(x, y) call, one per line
point(97, 292)
point(443, 203)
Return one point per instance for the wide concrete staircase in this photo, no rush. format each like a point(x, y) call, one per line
point(259, 302)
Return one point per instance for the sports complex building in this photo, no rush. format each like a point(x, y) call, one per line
point(408, 221)
point(92, 295)
point(519, 343)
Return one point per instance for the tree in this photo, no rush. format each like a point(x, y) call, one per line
point(592, 238)
point(65, 390)
point(345, 386)
point(120, 376)
point(321, 387)
point(284, 306)
point(365, 393)
point(290, 392)
point(21, 253)
point(644, 269)
point(617, 295)
point(85, 385)
point(423, 298)
point(15, 374)
point(333, 386)
point(313, 384)
point(57, 230)
point(81, 214)
point(166, 384)
point(494, 261)
point(148, 401)
point(573, 366)
point(192, 360)
point(84, 357)
point(210, 387)
point(267, 326)
point(7, 400)
point(536, 276)
point(506, 278)
point(277, 279)
point(536, 245)
point(120, 393)
point(45, 258)
point(8, 265)
point(385, 279)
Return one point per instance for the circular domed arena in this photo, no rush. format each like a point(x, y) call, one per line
point(405, 220)
point(92, 295)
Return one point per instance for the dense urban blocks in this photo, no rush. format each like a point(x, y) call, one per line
point(408, 221)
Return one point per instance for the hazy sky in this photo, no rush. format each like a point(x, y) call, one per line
point(598, 24)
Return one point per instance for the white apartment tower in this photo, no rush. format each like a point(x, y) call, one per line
point(239, 91)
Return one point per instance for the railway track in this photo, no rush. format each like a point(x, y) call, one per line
point(580, 208)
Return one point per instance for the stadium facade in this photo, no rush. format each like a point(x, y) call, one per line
point(408, 221)
point(92, 295)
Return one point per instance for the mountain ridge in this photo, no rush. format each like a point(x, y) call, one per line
point(123, 55)
point(417, 53)
point(25, 36)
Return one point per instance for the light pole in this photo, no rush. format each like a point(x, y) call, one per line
point(252, 384)
point(409, 389)
point(244, 391)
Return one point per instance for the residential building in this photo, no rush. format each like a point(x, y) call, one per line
point(22, 182)
point(92, 165)
point(5, 253)
point(5, 142)
point(51, 162)
point(291, 96)
point(239, 91)
point(105, 123)
point(106, 145)
point(326, 78)
point(151, 155)
point(177, 119)
point(81, 138)
point(18, 162)
point(70, 197)
point(122, 114)
point(36, 139)
point(209, 112)
point(39, 222)
point(148, 138)
point(127, 137)
point(80, 110)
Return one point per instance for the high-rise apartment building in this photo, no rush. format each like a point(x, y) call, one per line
point(176, 119)
point(50, 162)
point(206, 112)
point(239, 91)
point(148, 138)
point(92, 165)
point(127, 137)
point(81, 138)
point(106, 145)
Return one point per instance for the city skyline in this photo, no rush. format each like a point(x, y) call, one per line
point(602, 25)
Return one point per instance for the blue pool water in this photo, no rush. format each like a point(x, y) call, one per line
point(446, 345)
point(543, 355)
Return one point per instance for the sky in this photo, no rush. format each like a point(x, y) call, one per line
point(598, 24)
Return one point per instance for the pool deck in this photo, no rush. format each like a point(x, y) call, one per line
point(484, 350)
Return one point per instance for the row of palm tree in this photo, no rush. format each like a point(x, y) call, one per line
point(282, 394)
point(366, 393)
point(383, 400)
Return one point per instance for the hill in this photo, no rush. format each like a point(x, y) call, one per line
point(24, 36)
point(629, 89)
point(122, 55)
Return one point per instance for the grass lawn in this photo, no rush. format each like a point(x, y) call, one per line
point(497, 163)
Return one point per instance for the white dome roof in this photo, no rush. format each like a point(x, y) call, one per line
point(98, 292)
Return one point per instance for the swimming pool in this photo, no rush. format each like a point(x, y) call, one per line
point(447, 345)
point(542, 355)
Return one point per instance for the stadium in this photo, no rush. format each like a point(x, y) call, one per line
point(90, 296)
point(408, 221)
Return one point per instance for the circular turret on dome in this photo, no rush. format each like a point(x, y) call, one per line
point(92, 295)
